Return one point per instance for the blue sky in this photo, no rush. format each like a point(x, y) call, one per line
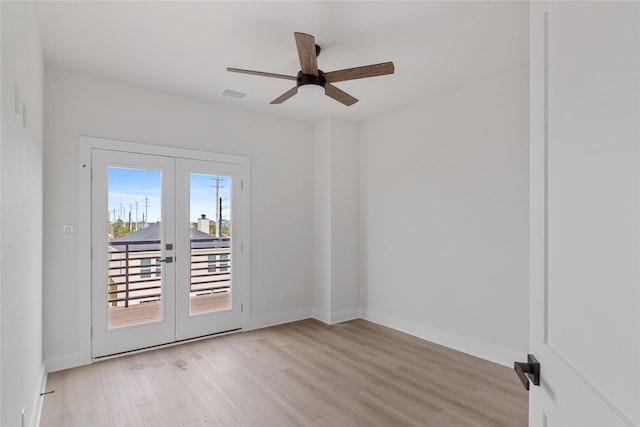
point(128, 186)
point(203, 196)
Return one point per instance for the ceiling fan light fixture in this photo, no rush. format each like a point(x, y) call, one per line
point(311, 90)
point(312, 82)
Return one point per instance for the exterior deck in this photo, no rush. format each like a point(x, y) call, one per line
point(150, 311)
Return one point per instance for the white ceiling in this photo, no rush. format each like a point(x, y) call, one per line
point(185, 47)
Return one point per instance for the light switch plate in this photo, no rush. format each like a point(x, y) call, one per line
point(67, 232)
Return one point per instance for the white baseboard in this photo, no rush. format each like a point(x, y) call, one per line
point(345, 315)
point(67, 361)
point(36, 404)
point(331, 318)
point(481, 349)
point(274, 319)
point(321, 315)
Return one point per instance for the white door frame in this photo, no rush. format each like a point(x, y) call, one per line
point(86, 145)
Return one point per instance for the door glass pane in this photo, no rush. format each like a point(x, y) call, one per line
point(210, 228)
point(134, 277)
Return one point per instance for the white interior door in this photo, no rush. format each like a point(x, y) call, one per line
point(133, 298)
point(167, 251)
point(585, 213)
point(209, 269)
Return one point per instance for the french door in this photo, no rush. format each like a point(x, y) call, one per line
point(165, 263)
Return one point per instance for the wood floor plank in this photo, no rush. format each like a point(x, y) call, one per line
point(303, 373)
point(217, 407)
point(507, 410)
point(449, 418)
point(140, 380)
point(293, 401)
point(156, 413)
point(181, 406)
point(354, 406)
point(90, 403)
point(198, 423)
point(120, 405)
point(409, 410)
point(61, 419)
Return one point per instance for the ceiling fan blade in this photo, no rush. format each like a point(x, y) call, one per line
point(360, 72)
point(261, 73)
point(288, 94)
point(339, 95)
point(307, 53)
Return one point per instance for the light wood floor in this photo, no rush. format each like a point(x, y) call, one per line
point(304, 374)
point(150, 311)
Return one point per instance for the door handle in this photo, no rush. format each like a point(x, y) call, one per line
point(529, 371)
point(168, 260)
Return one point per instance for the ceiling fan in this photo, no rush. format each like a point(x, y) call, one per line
point(311, 79)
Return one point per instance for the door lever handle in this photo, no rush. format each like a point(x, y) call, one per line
point(168, 260)
point(529, 371)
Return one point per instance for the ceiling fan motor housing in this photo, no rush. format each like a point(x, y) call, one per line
point(310, 79)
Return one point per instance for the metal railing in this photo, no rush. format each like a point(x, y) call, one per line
point(134, 271)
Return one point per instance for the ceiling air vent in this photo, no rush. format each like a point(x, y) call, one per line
point(234, 93)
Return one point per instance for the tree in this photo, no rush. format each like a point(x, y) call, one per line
point(119, 229)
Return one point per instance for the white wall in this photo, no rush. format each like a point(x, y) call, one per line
point(281, 217)
point(322, 221)
point(336, 275)
point(345, 216)
point(447, 218)
point(22, 368)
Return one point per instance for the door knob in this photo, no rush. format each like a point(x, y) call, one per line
point(168, 260)
point(529, 371)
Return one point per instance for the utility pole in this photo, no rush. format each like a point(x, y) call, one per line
point(130, 210)
point(146, 210)
point(218, 208)
point(137, 218)
point(219, 219)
